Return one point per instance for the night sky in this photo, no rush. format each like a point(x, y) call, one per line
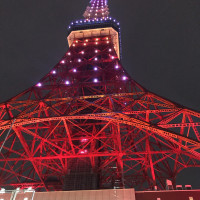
point(160, 46)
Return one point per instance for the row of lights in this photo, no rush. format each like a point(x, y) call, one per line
point(79, 61)
point(86, 21)
point(95, 80)
point(84, 44)
point(96, 39)
point(82, 52)
point(95, 69)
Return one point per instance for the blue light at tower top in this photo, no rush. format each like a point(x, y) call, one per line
point(84, 22)
point(96, 16)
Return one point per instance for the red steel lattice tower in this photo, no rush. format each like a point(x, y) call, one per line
point(87, 121)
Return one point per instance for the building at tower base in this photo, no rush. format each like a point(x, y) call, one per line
point(112, 194)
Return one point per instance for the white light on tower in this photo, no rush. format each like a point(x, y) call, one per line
point(124, 78)
point(95, 80)
point(39, 85)
point(67, 82)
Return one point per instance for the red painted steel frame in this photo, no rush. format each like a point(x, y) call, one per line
point(87, 107)
point(140, 138)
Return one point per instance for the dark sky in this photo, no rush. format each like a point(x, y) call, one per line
point(160, 44)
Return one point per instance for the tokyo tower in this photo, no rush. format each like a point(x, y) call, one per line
point(88, 125)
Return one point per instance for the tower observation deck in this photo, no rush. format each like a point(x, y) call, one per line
point(88, 125)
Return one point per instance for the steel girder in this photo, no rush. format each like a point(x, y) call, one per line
point(88, 109)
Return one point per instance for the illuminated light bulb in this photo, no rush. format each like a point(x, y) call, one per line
point(96, 59)
point(67, 82)
point(108, 42)
point(76, 41)
point(113, 57)
point(68, 53)
point(73, 45)
point(96, 43)
point(116, 66)
point(107, 38)
point(74, 70)
point(54, 72)
point(97, 39)
point(82, 52)
point(63, 62)
point(86, 40)
point(83, 151)
point(110, 50)
point(84, 44)
point(95, 80)
point(39, 85)
point(124, 78)
point(96, 51)
point(95, 68)
point(79, 60)
point(84, 140)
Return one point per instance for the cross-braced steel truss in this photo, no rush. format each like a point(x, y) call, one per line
point(88, 113)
